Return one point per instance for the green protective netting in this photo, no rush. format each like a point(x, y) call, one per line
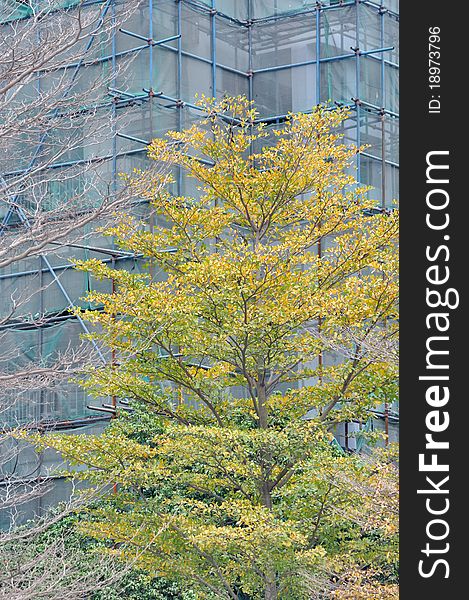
point(41, 348)
point(22, 462)
point(282, 41)
point(236, 9)
point(276, 93)
point(14, 10)
point(338, 31)
point(232, 44)
point(33, 348)
point(39, 293)
point(261, 9)
point(268, 8)
point(338, 80)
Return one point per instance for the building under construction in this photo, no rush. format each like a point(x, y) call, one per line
point(286, 55)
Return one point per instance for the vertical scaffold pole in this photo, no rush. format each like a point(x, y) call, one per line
point(213, 33)
point(383, 115)
point(318, 54)
point(357, 85)
point(179, 85)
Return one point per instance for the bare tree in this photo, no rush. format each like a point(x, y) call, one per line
point(48, 560)
point(58, 125)
point(54, 573)
point(56, 122)
point(57, 119)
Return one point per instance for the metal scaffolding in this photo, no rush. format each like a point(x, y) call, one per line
point(286, 55)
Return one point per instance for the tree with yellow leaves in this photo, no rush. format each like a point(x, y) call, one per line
point(279, 261)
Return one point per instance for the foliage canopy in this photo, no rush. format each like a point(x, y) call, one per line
point(270, 325)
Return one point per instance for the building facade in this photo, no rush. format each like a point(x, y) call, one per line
point(286, 55)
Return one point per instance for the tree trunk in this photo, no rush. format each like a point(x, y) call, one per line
point(264, 424)
point(262, 400)
point(271, 591)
